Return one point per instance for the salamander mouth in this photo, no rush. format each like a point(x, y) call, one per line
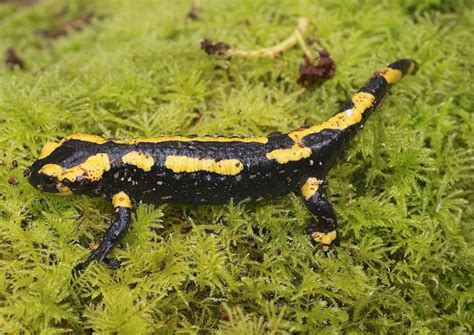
point(47, 183)
point(42, 182)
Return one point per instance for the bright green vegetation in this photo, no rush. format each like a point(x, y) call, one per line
point(403, 192)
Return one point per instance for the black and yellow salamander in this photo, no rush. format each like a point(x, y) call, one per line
point(210, 170)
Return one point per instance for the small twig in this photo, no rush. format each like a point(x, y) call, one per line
point(316, 68)
point(302, 43)
point(276, 50)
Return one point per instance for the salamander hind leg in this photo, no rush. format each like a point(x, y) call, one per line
point(114, 234)
point(323, 228)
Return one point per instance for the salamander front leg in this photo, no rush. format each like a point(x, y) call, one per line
point(323, 231)
point(113, 235)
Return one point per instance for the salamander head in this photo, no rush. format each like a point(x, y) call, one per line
point(76, 163)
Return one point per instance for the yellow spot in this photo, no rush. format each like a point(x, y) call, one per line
point(121, 200)
point(139, 159)
point(85, 138)
point(324, 238)
point(362, 101)
point(52, 170)
point(47, 149)
point(92, 169)
point(340, 121)
point(63, 190)
point(188, 164)
point(391, 75)
point(295, 153)
point(192, 139)
point(310, 187)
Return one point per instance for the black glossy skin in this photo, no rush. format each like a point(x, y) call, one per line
point(261, 177)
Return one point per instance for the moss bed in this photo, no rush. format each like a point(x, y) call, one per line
point(403, 191)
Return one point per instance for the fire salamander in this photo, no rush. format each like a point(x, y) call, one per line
point(210, 170)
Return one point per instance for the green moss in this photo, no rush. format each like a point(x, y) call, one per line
point(403, 192)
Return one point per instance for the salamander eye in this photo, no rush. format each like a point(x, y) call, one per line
point(47, 181)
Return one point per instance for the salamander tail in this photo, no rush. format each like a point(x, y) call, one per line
point(383, 79)
point(356, 111)
point(344, 125)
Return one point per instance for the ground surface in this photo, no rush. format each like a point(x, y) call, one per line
point(134, 68)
